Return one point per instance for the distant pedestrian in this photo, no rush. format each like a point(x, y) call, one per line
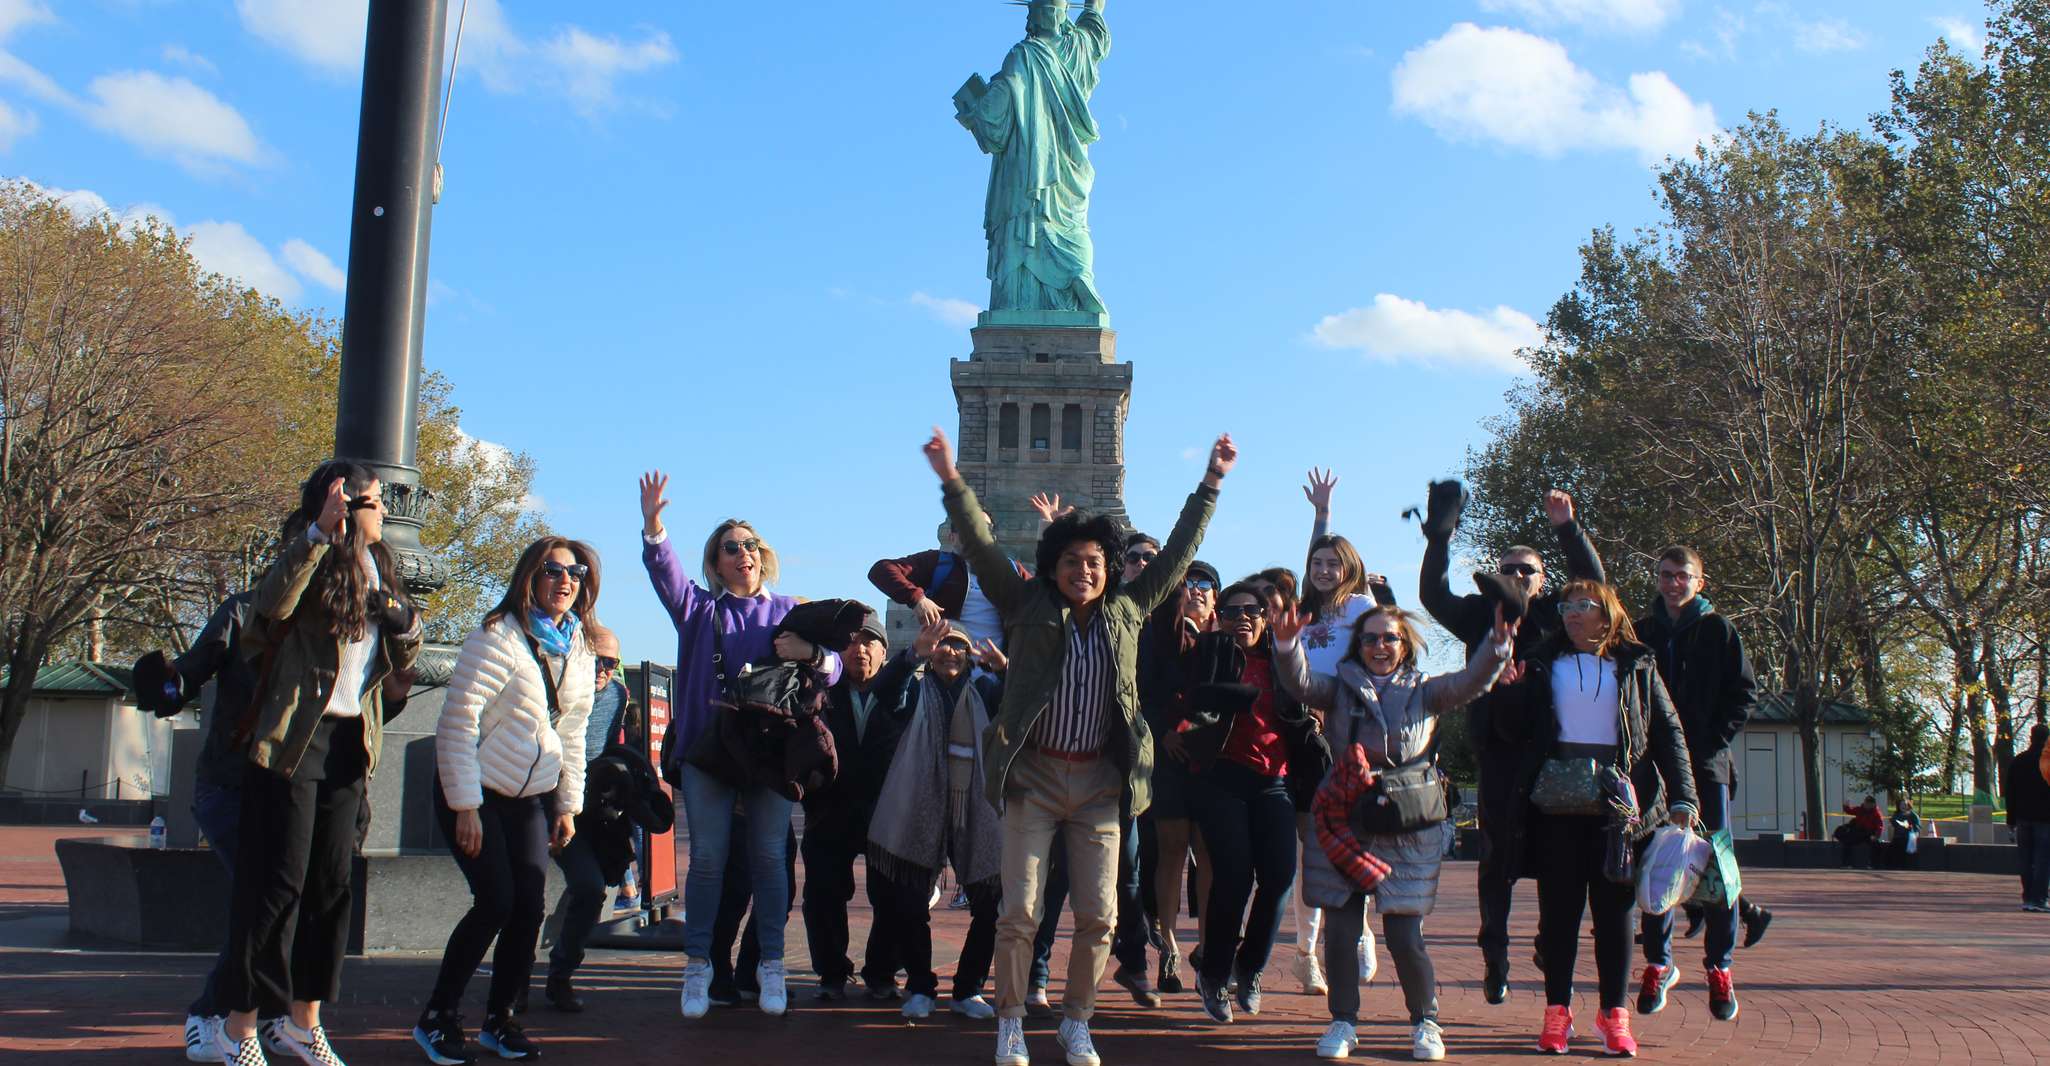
point(2028, 814)
point(1862, 832)
point(1906, 828)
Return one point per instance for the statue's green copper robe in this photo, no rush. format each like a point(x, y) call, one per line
point(1033, 119)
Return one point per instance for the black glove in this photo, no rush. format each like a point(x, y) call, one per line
point(158, 687)
point(1447, 502)
point(391, 613)
point(1215, 692)
point(1505, 592)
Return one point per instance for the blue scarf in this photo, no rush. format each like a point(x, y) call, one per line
point(554, 639)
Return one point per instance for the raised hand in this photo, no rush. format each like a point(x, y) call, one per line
point(1558, 507)
point(1318, 491)
point(1223, 455)
point(993, 658)
point(1049, 508)
point(929, 636)
point(654, 485)
point(928, 612)
point(334, 508)
point(1287, 624)
point(941, 455)
point(793, 648)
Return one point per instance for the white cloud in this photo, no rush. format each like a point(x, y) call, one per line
point(498, 459)
point(87, 204)
point(1963, 34)
point(1630, 15)
point(179, 55)
point(1395, 329)
point(1522, 91)
point(573, 63)
point(950, 311)
point(14, 125)
point(312, 265)
point(14, 14)
point(588, 65)
point(173, 117)
point(326, 33)
point(1826, 35)
point(225, 248)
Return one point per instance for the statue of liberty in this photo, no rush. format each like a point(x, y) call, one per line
point(1033, 119)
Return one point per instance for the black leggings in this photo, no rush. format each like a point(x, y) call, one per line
point(508, 877)
point(1569, 855)
point(1248, 821)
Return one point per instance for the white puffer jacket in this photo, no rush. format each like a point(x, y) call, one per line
point(494, 731)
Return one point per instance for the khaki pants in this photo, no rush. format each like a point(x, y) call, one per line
point(1045, 796)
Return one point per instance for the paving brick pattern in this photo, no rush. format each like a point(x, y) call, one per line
point(1858, 968)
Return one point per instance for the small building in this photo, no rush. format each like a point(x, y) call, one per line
point(1768, 762)
point(84, 737)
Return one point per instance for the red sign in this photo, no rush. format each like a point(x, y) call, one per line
point(658, 861)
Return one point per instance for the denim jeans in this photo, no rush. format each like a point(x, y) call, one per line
point(1720, 940)
point(219, 814)
point(708, 810)
point(2033, 840)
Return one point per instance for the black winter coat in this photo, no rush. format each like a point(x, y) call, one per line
point(1701, 659)
point(2028, 795)
point(1653, 751)
point(621, 791)
point(843, 808)
point(1217, 695)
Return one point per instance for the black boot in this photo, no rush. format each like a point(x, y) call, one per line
point(563, 996)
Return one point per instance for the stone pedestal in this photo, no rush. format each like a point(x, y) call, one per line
point(1042, 410)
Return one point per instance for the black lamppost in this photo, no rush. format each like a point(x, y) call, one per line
point(384, 312)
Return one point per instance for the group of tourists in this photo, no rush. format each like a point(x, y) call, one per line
point(1108, 727)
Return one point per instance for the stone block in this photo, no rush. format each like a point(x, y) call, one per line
point(122, 891)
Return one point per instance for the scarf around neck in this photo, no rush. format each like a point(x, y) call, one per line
point(919, 825)
point(554, 639)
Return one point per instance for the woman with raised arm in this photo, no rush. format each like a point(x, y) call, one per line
point(509, 756)
point(721, 626)
point(1378, 699)
point(1596, 733)
point(1068, 752)
point(330, 627)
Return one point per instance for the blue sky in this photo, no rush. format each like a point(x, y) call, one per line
point(737, 241)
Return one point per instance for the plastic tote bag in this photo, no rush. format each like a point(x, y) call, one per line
point(1721, 883)
point(1671, 869)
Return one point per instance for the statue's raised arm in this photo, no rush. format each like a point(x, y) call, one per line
point(1033, 120)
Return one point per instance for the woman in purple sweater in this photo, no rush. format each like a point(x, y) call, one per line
point(737, 567)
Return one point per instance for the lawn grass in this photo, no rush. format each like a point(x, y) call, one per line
point(1954, 807)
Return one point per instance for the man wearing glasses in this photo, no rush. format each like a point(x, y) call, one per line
point(1470, 618)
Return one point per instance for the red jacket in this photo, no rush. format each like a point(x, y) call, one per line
point(1867, 818)
point(906, 580)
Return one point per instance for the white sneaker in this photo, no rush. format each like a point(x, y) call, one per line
point(310, 1046)
point(775, 997)
point(1310, 971)
point(1429, 1044)
point(1011, 1043)
point(697, 988)
point(1338, 1042)
point(919, 1006)
point(974, 1008)
point(1370, 958)
point(1074, 1038)
point(200, 1045)
point(239, 1053)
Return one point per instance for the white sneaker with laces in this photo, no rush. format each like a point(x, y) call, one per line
point(200, 1045)
point(1074, 1037)
point(697, 988)
point(974, 1008)
point(919, 1006)
point(239, 1052)
point(1370, 958)
point(310, 1046)
point(775, 997)
point(1011, 1043)
point(1338, 1042)
point(1310, 971)
point(1429, 1043)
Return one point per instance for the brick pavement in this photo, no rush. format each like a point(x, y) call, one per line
point(1859, 968)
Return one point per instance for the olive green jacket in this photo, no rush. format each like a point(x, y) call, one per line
point(295, 695)
point(1037, 621)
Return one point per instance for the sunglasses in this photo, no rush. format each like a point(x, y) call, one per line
point(1200, 584)
point(1243, 610)
point(1378, 639)
point(1579, 606)
point(558, 571)
point(1519, 570)
point(1140, 555)
point(607, 664)
point(734, 547)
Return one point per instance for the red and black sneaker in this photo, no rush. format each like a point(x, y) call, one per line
point(1722, 994)
point(1651, 994)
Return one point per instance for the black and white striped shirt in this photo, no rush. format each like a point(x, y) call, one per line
point(1074, 723)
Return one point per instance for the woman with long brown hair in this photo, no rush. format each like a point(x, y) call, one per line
point(1597, 729)
point(329, 626)
point(509, 755)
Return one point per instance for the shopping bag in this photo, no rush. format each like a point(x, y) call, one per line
point(1721, 883)
point(1672, 868)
